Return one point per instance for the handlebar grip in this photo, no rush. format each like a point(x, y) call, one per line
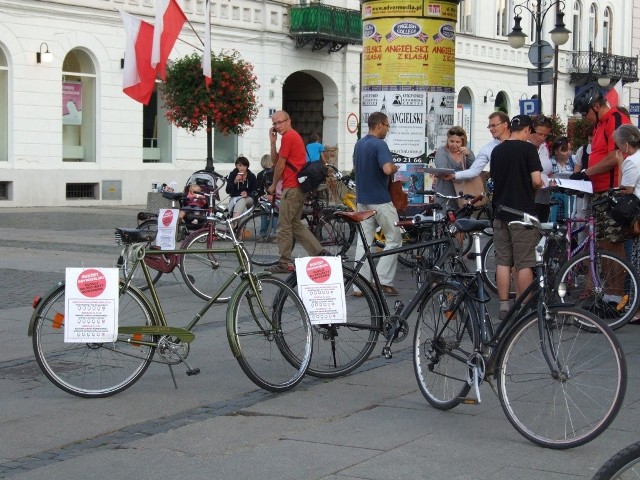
point(405, 223)
point(477, 199)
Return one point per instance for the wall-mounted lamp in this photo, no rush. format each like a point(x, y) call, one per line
point(604, 80)
point(46, 56)
point(273, 79)
point(489, 96)
point(568, 104)
point(524, 97)
point(121, 63)
point(354, 87)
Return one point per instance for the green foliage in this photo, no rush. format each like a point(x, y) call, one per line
point(558, 129)
point(230, 101)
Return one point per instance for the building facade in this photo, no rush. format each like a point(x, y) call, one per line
point(69, 136)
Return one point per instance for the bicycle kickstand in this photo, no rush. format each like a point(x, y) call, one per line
point(190, 370)
point(476, 373)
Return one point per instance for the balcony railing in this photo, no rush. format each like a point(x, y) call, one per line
point(325, 25)
point(589, 65)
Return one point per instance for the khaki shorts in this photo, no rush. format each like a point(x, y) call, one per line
point(515, 245)
point(606, 227)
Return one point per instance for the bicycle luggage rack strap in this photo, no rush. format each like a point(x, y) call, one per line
point(127, 236)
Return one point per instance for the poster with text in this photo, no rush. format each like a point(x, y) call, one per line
point(167, 224)
point(71, 103)
point(321, 288)
point(91, 305)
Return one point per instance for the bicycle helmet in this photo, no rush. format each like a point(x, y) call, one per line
point(586, 97)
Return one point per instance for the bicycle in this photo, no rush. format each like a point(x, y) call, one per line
point(340, 348)
point(561, 375)
point(201, 277)
point(596, 280)
point(624, 465)
point(335, 235)
point(263, 313)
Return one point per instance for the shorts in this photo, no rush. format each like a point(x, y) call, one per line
point(515, 245)
point(607, 228)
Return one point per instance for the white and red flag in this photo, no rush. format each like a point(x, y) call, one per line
point(206, 56)
point(614, 95)
point(169, 21)
point(139, 77)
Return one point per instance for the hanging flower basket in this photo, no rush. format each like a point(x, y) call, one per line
point(230, 100)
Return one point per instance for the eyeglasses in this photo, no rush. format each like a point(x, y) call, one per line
point(494, 125)
point(275, 124)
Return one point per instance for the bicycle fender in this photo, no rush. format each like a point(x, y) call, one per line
point(36, 309)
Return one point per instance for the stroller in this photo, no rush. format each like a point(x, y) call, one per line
point(195, 217)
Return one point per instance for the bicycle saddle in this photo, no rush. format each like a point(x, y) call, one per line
point(126, 236)
point(472, 225)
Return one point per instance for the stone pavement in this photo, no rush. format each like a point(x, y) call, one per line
point(372, 424)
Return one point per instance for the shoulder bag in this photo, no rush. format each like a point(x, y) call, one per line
point(473, 186)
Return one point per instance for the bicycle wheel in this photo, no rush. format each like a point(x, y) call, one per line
point(444, 339)
point(489, 270)
point(335, 234)
point(262, 246)
point(340, 348)
point(575, 402)
point(138, 279)
point(614, 300)
point(273, 347)
point(624, 465)
point(204, 273)
point(92, 370)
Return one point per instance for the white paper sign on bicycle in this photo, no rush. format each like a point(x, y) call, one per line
point(321, 287)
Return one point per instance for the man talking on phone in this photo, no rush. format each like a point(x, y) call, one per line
point(287, 163)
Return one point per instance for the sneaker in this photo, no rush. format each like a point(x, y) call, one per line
point(279, 268)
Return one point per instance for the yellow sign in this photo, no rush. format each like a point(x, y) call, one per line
point(410, 8)
point(418, 51)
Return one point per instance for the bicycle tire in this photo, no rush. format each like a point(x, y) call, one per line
point(204, 273)
point(138, 279)
point(606, 303)
point(273, 352)
point(339, 349)
point(489, 270)
point(443, 341)
point(573, 405)
point(92, 370)
point(335, 234)
point(262, 249)
point(624, 465)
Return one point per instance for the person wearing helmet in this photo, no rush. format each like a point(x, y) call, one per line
point(603, 169)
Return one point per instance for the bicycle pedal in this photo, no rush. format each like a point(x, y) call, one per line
point(193, 371)
point(469, 401)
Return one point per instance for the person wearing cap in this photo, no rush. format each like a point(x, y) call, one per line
point(515, 169)
point(604, 164)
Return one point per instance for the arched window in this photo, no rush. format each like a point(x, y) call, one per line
point(504, 17)
point(465, 12)
point(156, 132)
point(78, 107)
point(606, 31)
point(502, 102)
point(593, 17)
point(4, 107)
point(576, 22)
point(464, 114)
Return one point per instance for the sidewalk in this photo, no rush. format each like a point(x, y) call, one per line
point(372, 424)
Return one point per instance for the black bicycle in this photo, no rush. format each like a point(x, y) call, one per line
point(624, 465)
point(558, 370)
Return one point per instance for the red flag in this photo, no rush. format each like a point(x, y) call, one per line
point(169, 21)
point(615, 94)
point(139, 77)
point(206, 56)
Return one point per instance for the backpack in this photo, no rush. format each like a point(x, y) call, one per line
point(311, 175)
point(625, 209)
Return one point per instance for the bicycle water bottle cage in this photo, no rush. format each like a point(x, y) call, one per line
point(127, 236)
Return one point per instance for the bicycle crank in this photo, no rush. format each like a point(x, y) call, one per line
point(395, 327)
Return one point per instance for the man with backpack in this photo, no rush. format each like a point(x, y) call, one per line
point(288, 162)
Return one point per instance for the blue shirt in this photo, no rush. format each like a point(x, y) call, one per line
point(313, 151)
point(372, 185)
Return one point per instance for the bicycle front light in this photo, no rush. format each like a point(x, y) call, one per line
point(562, 289)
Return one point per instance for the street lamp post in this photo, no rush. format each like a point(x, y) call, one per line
point(541, 52)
